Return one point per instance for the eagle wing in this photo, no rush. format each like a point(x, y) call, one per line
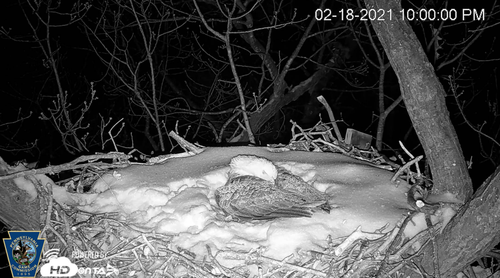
point(256, 198)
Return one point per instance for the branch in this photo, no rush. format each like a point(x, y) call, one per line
point(237, 81)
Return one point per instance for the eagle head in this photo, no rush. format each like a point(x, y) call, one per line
point(250, 165)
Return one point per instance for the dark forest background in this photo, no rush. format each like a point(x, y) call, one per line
point(81, 77)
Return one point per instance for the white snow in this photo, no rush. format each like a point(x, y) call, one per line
point(177, 198)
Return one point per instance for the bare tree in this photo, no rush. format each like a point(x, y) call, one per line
point(424, 98)
point(227, 82)
point(64, 116)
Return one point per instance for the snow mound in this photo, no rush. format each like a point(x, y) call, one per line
point(177, 198)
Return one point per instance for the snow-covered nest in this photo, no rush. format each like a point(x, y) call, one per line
point(163, 218)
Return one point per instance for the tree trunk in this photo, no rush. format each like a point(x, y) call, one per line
point(423, 96)
point(474, 230)
point(280, 99)
point(18, 210)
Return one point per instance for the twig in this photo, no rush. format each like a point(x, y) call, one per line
point(259, 258)
point(111, 136)
point(357, 234)
point(332, 117)
point(73, 165)
point(406, 166)
point(187, 146)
